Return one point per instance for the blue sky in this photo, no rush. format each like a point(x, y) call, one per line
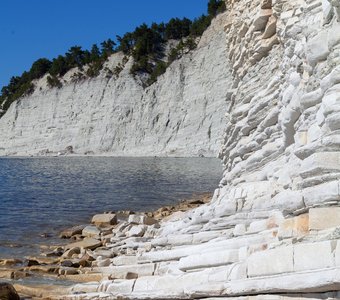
point(32, 29)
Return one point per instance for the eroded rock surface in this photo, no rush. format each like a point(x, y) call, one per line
point(272, 228)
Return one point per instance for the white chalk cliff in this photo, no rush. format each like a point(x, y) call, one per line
point(182, 114)
point(272, 228)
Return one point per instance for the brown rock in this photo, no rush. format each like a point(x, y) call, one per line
point(20, 275)
point(68, 233)
point(33, 261)
point(67, 263)
point(88, 256)
point(69, 253)
point(68, 271)
point(266, 4)
point(45, 291)
point(56, 252)
point(131, 275)
point(85, 277)
point(8, 292)
point(6, 274)
point(270, 28)
point(104, 219)
point(294, 227)
point(261, 19)
point(9, 262)
point(43, 269)
point(87, 243)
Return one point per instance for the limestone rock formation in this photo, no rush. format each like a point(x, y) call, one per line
point(272, 228)
point(182, 114)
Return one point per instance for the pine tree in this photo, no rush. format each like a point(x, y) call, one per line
point(108, 47)
point(39, 68)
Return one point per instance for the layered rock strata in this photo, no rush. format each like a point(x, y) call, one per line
point(272, 228)
point(180, 115)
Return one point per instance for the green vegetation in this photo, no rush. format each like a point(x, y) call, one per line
point(53, 81)
point(145, 44)
point(181, 48)
point(215, 7)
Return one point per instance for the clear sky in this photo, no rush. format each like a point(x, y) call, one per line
point(32, 29)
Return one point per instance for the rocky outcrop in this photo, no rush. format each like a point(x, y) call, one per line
point(182, 114)
point(271, 230)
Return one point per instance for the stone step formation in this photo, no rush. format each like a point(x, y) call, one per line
point(271, 230)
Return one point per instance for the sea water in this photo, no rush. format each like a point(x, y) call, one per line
point(41, 196)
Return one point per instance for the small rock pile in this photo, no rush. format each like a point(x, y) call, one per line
point(110, 239)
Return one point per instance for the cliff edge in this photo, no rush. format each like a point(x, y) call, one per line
point(182, 114)
point(271, 230)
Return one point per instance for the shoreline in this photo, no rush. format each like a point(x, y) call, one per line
point(85, 251)
point(212, 156)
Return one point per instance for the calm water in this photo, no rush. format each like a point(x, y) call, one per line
point(45, 195)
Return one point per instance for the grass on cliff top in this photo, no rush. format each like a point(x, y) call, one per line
point(145, 44)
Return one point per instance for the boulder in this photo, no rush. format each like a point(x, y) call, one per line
point(136, 231)
point(68, 233)
point(8, 292)
point(70, 252)
point(87, 243)
point(104, 219)
point(102, 262)
point(91, 231)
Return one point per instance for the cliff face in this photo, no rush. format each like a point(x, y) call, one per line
point(181, 114)
point(271, 230)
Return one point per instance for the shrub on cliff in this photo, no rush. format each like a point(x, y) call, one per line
point(53, 81)
point(94, 68)
point(158, 70)
point(182, 47)
point(18, 86)
point(215, 7)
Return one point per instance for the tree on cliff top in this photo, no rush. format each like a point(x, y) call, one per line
point(145, 44)
point(215, 7)
point(40, 68)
